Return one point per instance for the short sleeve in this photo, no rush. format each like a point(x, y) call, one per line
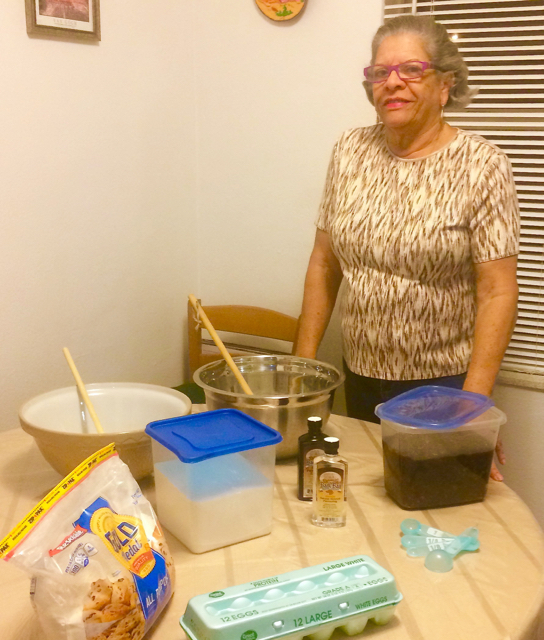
point(328, 200)
point(495, 225)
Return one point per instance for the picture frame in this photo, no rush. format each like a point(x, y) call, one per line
point(280, 10)
point(69, 19)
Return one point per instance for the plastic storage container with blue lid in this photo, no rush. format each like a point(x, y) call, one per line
point(434, 407)
point(214, 477)
point(438, 446)
point(212, 433)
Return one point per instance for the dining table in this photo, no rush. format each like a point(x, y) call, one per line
point(494, 593)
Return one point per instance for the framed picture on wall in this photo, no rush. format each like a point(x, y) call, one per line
point(278, 10)
point(74, 19)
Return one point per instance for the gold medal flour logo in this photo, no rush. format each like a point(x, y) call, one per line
point(281, 10)
point(125, 537)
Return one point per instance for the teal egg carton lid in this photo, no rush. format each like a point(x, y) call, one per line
point(308, 602)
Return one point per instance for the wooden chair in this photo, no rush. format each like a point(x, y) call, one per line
point(243, 320)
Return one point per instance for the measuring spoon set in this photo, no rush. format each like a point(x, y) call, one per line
point(439, 547)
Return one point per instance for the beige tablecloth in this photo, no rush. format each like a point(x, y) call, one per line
point(494, 594)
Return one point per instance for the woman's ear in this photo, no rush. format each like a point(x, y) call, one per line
point(447, 83)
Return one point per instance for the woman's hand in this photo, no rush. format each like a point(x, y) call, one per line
point(495, 473)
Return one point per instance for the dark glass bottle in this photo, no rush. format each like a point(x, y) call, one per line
point(310, 445)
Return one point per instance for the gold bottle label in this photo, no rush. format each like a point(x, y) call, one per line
point(330, 505)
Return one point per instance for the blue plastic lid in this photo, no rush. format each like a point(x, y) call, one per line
point(210, 434)
point(434, 407)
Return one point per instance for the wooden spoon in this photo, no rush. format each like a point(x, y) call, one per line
point(219, 344)
point(83, 391)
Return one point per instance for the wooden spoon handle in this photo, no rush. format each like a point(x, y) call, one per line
point(83, 391)
point(219, 344)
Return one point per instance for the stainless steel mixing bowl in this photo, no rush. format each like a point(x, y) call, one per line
point(287, 391)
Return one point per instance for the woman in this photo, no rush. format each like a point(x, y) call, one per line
point(421, 221)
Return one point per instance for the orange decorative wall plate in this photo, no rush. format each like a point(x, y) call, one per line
point(281, 10)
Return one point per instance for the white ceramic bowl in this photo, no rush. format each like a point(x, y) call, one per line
point(65, 433)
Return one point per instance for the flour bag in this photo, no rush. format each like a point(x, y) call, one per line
point(99, 563)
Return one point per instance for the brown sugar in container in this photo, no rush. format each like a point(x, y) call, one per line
point(438, 446)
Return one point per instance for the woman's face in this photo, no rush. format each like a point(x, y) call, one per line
point(408, 107)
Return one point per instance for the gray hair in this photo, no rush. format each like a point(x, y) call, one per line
point(441, 49)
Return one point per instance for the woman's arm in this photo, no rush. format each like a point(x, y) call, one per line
point(497, 296)
point(321, 286)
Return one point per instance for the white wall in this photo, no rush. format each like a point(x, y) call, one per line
point(97, 200)
point(523, 441)
point(272, 99)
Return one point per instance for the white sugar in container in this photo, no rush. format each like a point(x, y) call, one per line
point(214, 475)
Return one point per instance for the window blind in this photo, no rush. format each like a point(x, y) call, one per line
point(502, 42)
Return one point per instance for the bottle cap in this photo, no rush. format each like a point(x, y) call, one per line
point(331, 445)
point(314, 423)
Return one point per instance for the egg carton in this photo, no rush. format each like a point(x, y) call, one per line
point(310, 602)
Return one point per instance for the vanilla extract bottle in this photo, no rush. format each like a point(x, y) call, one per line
point(310, 445)
point(330, 486)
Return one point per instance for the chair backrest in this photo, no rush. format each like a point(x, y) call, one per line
point(253, 321)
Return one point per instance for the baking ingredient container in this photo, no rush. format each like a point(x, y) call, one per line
point(310, 445)
point(97, 557)
point(309, 602)
point(287, 391)
point(438, 446)
point(214, 475)
point(330, 487)
point(65, 434)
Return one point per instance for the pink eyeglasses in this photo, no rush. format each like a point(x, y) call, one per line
point(411, 70)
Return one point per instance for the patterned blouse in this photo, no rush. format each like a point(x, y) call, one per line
point(407, 234)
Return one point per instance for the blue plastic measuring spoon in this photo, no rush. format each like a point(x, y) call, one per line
point(415, 527)
point(410, 540)
point(441, 560)
point(425, 549)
